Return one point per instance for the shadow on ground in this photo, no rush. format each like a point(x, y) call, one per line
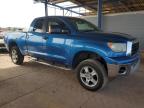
point(33, 85)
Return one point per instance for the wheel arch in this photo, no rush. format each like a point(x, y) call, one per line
point(83, 55)
point(11, 44)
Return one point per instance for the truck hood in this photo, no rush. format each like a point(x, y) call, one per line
point(107, 37)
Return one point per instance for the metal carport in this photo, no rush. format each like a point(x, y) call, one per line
point(98, 7)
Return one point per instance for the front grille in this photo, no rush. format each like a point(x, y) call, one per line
point(135, 48)
point(2, 45)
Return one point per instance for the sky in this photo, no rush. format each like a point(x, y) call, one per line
point(19, 13)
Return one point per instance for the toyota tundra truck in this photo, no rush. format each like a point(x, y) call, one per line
point(78, 45)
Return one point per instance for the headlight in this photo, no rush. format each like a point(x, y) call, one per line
point(118, 47)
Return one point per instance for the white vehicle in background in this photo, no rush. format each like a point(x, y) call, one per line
point(2, 46)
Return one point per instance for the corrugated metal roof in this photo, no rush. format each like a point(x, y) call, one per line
point(109, 6)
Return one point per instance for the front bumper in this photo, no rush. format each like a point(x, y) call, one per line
point(124, 68)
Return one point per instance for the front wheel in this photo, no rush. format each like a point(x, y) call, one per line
point(16, 56)
point(92, 74)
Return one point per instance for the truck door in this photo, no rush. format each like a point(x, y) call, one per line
point(57, 41)
point(35, 39)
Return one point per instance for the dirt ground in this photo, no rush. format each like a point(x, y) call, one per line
point(34, 85)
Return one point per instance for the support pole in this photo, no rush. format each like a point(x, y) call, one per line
point(100, 13)
point(65, 8)
point(46, 7)
point(63, 12)
point(55, 10)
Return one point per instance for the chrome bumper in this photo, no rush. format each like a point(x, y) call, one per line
point(120, 69)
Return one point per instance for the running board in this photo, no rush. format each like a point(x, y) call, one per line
point(48, 64)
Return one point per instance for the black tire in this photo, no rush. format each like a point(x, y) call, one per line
point(100, 77)
point(20, 58)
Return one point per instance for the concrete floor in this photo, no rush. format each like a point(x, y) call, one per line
point(33, 85)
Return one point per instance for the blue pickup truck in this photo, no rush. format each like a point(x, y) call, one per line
point(78, 45)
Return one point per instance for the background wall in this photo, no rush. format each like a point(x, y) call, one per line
point(130, 23)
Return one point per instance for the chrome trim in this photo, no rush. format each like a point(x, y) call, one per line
point(113, 69)
point(135, 67)
point(129, 48)
point(47, 64)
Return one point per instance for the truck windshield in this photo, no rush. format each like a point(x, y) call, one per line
point(83, 25)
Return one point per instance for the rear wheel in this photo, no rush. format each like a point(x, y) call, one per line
point(92, 74)
point(16, 56)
